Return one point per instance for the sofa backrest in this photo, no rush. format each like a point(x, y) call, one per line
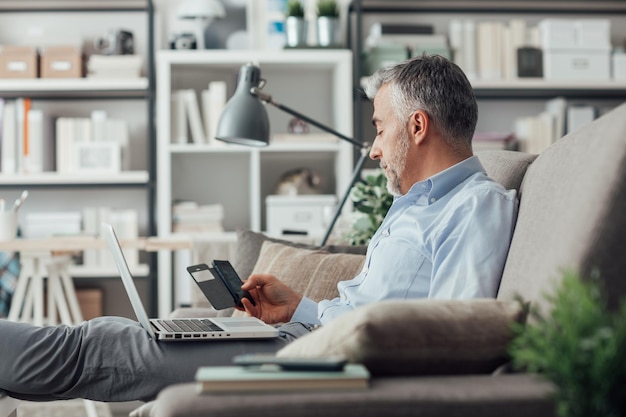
point(571, 216)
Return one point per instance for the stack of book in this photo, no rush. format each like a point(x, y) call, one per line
point(485, 141)
point(221, 379)
point(191, 217)
point(48, 224)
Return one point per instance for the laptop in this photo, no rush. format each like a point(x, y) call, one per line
point(174, 330)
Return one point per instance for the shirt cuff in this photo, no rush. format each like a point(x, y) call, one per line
point(306, 312)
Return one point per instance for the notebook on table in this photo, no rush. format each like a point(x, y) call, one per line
point(174, 330)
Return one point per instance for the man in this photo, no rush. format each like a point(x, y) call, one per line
point(446, 236)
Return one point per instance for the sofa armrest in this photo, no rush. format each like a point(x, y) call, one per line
point(481, 395)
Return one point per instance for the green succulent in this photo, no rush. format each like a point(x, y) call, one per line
point(295, 9)
point(371, 202)
point(580, 347)
point(327, 8)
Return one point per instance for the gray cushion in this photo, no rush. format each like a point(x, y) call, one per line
point(472, 395)
point(417, 337)
point(506, 167)
point(249, 246)
point(572, 212)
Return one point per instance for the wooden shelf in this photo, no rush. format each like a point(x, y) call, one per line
point(74, 87)
point(54, 178)
point(80, 271)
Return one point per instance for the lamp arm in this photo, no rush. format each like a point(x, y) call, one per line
point(355, 176)
point(266, 98)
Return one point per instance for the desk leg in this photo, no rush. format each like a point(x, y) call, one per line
point(20, 290)
point(37, 291)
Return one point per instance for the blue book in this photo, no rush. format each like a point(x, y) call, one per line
point(216, 379)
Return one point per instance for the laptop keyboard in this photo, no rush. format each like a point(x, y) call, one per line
point(191, 325)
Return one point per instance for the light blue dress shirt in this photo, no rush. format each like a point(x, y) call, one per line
point(447, 238)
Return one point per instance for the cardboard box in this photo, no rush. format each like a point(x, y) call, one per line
point(306, 214)
point(19, 62)
point(90, 302)
point(577, 65)
point(62, 62)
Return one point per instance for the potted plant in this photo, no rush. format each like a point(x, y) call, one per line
point(580, 346)
point(327, 23)
point(296, 25)
point(371, 204)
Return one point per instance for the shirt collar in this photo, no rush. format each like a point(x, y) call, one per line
point(443, 182)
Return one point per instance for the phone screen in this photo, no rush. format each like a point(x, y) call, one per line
point(212, 286)
point(232, 280)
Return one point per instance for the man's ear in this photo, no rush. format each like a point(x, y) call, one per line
point(419, 124)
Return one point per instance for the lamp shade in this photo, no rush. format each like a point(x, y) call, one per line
point(244, 120)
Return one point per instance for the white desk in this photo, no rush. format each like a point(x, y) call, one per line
point(48, 258)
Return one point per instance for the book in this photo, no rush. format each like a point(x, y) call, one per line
point(214, 102)
point(192, 109)
point(9, 139)
point(215, 379)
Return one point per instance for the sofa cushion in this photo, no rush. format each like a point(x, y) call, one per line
point(312, 273)
point(249, 246)
point(417, 336)
point(506, 167)
point(571, 215)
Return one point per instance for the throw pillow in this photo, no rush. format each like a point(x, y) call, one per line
point(424, 337)
point(249, 246)
point(312, 273)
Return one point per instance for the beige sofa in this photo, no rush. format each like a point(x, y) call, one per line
point(572, 205)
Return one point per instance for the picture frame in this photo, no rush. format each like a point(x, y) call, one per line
point(98, 157)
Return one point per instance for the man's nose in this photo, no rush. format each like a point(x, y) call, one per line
point(375, 151)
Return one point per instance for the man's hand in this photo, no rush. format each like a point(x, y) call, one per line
point(275, 302)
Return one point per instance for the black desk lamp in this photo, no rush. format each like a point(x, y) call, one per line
point(244, 121)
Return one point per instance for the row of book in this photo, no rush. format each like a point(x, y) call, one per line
point(80, 144)
point(538, 132)
point(195, 123)
point(487, 50)
point(21, 134)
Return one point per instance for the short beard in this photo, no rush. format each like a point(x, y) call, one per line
point(397, 164)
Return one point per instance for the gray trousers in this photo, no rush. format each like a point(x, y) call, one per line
point(110, 359)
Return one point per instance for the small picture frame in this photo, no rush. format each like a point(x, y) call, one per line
point(98, 157)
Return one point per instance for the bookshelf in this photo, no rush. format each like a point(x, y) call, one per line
point(314, 82)
point(500, 102)
point(33, 22)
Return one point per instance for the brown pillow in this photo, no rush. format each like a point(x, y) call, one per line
point(424, 337)
point(249, 246)
point(312, 273)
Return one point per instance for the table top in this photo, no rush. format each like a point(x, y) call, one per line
point(80, 243)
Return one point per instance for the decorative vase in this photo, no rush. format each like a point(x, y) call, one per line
point(327, 31)
point(296, 29)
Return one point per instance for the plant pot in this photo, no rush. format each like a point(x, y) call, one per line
point(296, 31)
point(327, 31)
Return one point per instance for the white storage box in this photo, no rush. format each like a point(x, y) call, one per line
point(619, 66)
point(577, 65)
point(308, 214)
point(575, 34)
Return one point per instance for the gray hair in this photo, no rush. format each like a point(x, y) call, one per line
point(438, 87)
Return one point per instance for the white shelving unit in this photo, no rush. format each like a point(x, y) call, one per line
point(317, 83)
point(500, 102)
point(36, 23)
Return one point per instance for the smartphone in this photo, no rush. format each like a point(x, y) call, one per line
point(232, 281)
point(211, 286)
